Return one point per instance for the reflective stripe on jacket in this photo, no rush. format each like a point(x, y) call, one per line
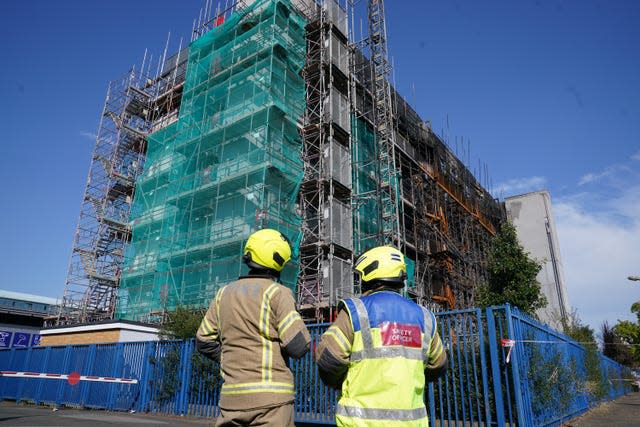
point(385, 382)
point(254, 319)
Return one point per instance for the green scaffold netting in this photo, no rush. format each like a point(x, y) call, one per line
point(227, 167)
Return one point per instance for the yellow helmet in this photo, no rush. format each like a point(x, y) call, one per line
point(384, 264)
point(267, 248)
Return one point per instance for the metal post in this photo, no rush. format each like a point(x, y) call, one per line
point(495, 367)
point(149, 350)
point(186, 350)
point(25, 367)
point(515, 369)
point(4, 381)
point(117, 368)
point(45, 364)
point(483, 365)
point(84, 392)
point(65, 368)
point(432, 404)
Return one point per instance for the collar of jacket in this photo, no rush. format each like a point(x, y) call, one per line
point(381, 289)
point(259, 276)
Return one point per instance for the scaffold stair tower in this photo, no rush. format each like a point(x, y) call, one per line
point(388, 187)
point(103, 226)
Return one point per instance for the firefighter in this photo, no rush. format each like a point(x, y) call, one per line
point(252, 328)
point(381, 349)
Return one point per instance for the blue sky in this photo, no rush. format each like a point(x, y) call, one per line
point(531, 94)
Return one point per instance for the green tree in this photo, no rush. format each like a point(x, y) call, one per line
point(593, 382)
point(182, 323)
point(613, 346)
point(572, 326)
point(512, 275)
point(628, 333)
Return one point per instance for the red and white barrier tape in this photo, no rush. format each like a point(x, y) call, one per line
point(510, 344)
point(73, 377)
point(505, 342)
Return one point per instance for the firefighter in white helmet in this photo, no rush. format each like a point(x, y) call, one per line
point(381, 349)
point(253, 328)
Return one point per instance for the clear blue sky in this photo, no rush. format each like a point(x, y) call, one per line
point(546, 94)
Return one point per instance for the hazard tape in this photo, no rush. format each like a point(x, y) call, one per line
point(565, 342)
point(72, 377)
point(505, 342)
point(510, 344)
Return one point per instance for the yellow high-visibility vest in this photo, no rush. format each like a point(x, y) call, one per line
point(384, 386)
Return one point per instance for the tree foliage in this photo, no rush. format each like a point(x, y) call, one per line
point(613, 345)
point(627, 336)
point(573, 326)
point(595, 383)
point(512, 275)
point(182, 323)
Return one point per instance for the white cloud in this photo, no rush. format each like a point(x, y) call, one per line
point(599, 234)
point(590, 177)
point(609, 173)
point(519, 186)
point(89, 135)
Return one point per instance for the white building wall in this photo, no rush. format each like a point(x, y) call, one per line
point(533, 219)
point(129, 336)
point(128, 331)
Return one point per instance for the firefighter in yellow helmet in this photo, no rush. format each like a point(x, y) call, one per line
point(252, 328)
point(381, 349)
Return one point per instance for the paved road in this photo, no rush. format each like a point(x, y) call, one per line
point(21, 415)
point(622, 412)
point(34, 416)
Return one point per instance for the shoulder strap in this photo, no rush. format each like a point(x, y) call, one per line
point(365, 328)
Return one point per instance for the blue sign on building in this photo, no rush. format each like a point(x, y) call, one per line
point(35, 340)
point(5, 339)
point(21, 339)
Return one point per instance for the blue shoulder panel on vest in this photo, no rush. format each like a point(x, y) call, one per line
point(351, 308)
point(392, 307)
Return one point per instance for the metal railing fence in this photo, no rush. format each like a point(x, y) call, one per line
point(504, 369)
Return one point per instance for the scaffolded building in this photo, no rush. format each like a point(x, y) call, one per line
point(272, 117)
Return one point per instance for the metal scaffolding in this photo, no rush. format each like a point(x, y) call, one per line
point(388, 196)
point(275, 115)
point(325, 193)
point(102, 231)
point(135, 105)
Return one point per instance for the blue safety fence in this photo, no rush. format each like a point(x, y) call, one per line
point(543, 377)
point(504, 369)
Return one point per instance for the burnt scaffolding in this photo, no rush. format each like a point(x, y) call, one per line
point(446, 218)
point(274, 116)
point(369, 156)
